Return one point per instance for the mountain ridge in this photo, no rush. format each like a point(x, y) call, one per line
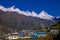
point(43, 14)
point(11, 21)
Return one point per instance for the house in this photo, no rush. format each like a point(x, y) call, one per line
point(54, 31)
point(13, 36)
point(30, 32)
point(21, 34)
point(24, 35)
point(33, 36)
point(39, 33)
point(25, 32)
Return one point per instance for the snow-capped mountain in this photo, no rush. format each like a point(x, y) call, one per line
point(42, 15)
point(15, 19)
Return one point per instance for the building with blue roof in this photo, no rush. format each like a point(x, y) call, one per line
point(40, 33)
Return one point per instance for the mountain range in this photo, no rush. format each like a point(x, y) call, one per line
point(12, 19)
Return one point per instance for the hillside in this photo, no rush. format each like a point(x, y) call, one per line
point(56, 26)
point(13, 21)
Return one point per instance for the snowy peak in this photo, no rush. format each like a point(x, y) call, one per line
point(42, 15)
point(45, 15)
point(3, 8)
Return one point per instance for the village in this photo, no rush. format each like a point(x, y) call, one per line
point(29, 34)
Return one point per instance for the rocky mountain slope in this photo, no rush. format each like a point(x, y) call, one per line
point(15, 20)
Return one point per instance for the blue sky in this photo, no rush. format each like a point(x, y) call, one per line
point(50, 6)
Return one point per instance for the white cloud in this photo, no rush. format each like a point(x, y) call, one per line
point(58, 17)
